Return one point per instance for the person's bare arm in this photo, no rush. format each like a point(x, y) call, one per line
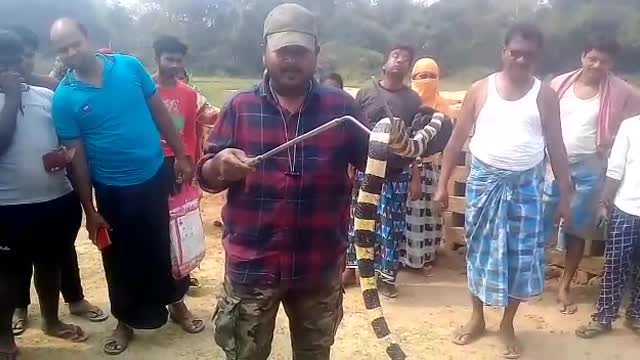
point(10, 84)
point(80, 178)
point(461, 132)
point(550, 114)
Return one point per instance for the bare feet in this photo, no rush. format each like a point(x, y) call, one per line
point(470, 332)
point(119, 340)
point(567, 305)
point(64, 331)
point(510, 342)
point(181, 315)
point(88, 311)
point(20, 321)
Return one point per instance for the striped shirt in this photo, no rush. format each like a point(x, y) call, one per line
point(282, 229)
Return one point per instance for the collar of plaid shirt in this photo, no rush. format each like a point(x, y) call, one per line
point(283, 230)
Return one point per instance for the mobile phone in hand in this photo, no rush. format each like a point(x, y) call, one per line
point(103, 239)
point(55, 160)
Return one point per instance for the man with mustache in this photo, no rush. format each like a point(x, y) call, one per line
point(108, 110)
point(593, 103)
point(515, 117)
point(285, 218)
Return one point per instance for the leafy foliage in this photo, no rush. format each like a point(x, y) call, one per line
point(225, 35)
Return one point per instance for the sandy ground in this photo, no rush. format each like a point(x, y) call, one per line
point(423, 317)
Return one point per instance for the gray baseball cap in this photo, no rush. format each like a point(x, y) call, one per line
point(290, 24)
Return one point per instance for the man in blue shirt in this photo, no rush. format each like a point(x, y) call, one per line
point(107, 109)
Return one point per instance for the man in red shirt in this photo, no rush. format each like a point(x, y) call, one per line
point(181, 101)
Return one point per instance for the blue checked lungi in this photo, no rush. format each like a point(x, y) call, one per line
point(504, 230)
point(587, 173)
point(621, 269)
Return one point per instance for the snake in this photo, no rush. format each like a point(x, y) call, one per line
point(389, 135)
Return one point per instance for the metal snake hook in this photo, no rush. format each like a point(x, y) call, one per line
point(320, 129)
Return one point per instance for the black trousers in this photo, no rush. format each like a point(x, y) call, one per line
point(70, 283)
point(40, 235)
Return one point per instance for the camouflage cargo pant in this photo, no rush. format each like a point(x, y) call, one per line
point(245, 319)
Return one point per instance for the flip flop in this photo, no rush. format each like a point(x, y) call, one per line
point(193, 282)
point(568, 309)
point(462, 337)
point(69, 332)
point(116, 344)
point(19, 325)
point(189, 324)
point(592, 330)
point(511, 352)
point(93, 314)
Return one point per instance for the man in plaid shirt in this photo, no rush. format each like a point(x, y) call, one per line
point(286, 219)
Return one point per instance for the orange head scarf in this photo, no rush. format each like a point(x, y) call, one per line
point(429, 89)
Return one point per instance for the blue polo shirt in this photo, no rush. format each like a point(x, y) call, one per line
point(114, 122)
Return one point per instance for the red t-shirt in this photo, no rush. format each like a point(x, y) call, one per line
point(182, 103)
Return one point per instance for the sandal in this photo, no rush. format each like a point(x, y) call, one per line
point(118, 342)
point(387, 290)
point(68, 332)
point(10, 354)
point(91, 313)
point(462, 337)
point(19, 322)
point(194, 283)
point(189, 324)
point(592, 330)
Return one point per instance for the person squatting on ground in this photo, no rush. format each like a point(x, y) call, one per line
point(504, 213)
point(593, 103)
point(70, 281)
point(285, 232)
point(118, 154)
point(40, 213)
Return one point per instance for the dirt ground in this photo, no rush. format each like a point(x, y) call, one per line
point(428, 309)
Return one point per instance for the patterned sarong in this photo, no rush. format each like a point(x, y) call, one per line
point(505, 233)
point(587, 175)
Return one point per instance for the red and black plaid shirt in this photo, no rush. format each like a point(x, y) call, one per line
point(279, 229)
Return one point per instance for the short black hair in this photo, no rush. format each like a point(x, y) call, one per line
point(11, 48)
point(404, 47)
point(169, 44)
point(335, 77)
point(28, 37)
point(603, 44)
point(526, 31)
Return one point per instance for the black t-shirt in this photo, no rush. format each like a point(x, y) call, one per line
point(404, 104)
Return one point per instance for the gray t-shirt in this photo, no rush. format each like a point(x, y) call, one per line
point(23, 179)
point(404, 103)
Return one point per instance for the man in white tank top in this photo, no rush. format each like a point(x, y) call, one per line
point(515, 118)
point(589, 116)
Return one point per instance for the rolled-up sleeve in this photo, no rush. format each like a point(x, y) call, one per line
point(619, 151)
point(221, 137)
point(63, 118)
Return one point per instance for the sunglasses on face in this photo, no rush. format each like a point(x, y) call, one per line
point(521, 54)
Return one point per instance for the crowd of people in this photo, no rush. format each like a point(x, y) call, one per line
point(102, 136)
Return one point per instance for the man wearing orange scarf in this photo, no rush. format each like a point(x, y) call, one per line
point(593, 103)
